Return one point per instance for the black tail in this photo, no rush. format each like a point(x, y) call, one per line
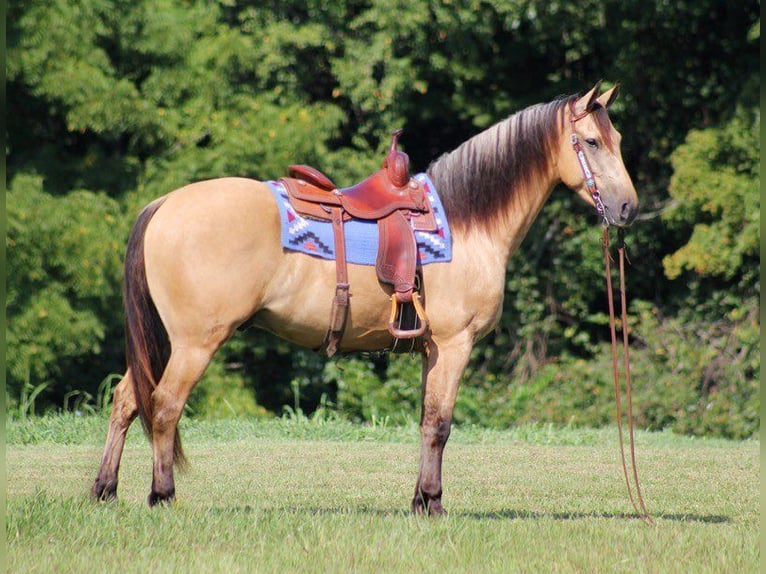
point(147, 345)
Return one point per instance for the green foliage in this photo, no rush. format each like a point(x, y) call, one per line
point(112, 104)
point(223, 394)
point(716, 188)
point(679, 383)
point(63, 282)
point(698, 377)
point(366, 395)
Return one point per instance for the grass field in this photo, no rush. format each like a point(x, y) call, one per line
point(303, 496)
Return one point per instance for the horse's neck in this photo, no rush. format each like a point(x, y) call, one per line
point(511, 230)
point(505, 233)
point(476, 174)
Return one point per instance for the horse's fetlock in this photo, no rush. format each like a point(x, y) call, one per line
point(425, 504)
point(430, 490)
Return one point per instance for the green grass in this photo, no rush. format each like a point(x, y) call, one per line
point(329, 496)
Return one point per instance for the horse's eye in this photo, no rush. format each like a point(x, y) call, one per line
point(592, 143)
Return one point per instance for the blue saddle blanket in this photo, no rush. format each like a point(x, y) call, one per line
point(314, 237)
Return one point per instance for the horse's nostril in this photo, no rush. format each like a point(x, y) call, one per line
point(626, 211)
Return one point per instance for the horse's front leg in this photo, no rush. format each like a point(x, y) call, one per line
point(124, 411)
point(442, 370)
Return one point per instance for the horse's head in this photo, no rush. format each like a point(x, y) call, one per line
point(590, 161)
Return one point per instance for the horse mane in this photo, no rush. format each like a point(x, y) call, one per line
point(478, 180)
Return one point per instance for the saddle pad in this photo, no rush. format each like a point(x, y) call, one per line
point(314, 237)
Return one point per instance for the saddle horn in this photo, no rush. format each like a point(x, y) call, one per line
point(397, 162)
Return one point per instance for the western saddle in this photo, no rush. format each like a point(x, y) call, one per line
point(399, 205)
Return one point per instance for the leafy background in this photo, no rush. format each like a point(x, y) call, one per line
point(111, 103)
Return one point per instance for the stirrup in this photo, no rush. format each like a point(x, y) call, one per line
point(421, 314)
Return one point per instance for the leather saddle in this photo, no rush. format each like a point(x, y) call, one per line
point(399, 205)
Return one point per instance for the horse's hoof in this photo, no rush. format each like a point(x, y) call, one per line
point(435, 509)
point(155, 499)
point(103, 491)
point(432, 507)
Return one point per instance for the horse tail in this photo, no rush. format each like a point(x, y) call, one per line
point(147, 346)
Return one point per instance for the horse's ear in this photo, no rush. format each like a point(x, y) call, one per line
point(609, 96)
point(587, 101)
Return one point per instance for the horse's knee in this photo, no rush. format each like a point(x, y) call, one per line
point(435, 434)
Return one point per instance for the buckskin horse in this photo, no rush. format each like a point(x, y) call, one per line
point(207, 257)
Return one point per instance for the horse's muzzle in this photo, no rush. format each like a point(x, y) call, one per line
point(620, 213)
point(628, 212)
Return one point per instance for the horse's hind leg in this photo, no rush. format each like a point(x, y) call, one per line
point(124, 412)
point(184, 369)
point(442, 370)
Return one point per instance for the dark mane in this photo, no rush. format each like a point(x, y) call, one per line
point(478, 179)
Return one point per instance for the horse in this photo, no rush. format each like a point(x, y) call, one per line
point(205, 258)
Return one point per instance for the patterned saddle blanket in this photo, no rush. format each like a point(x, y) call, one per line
point(313, 237)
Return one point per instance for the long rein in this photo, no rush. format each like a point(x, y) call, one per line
point(590, 184)
point(626, 366)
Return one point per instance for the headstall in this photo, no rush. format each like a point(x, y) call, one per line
point(590, 180)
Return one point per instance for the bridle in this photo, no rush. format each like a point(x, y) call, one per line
point(590, 184)
point(590, 180)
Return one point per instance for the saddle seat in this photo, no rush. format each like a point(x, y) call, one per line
point(398, 204)
point(388, 190)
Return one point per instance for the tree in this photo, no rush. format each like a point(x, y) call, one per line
point(716, 188)
point(64, 261)
point(111, 104)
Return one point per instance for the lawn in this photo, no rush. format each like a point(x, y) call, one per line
point(329, 496)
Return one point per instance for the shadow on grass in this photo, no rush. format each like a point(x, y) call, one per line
point(496, 515)
point(532, 515)
point(363, 510)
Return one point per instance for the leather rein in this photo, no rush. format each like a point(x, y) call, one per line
point(590, 184)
